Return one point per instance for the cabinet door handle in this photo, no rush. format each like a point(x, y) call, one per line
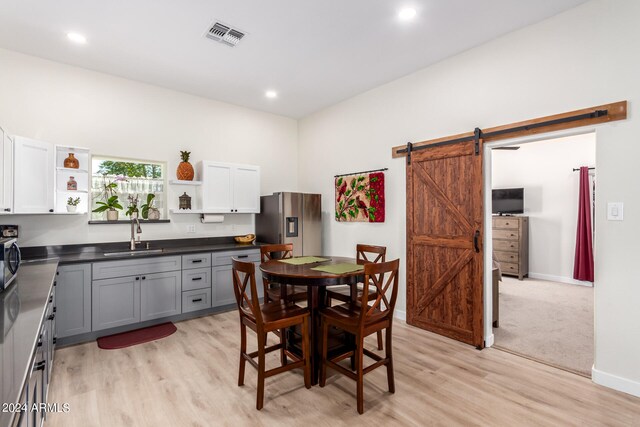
point(51, 317)
point(196, 260)
point(39, 366)
point(196, 300)
point(196, 278)
point(243, 256)
point(144, 277)
point(7, 209)
point(137, 278)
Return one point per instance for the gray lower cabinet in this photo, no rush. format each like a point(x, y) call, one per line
point(115, 302)
point(222, 286)
point(73, 300)
point(161, 295)
point(221, 279)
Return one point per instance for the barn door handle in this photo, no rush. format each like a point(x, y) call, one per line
point(476, 238)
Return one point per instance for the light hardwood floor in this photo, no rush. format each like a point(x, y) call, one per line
point(190, 379)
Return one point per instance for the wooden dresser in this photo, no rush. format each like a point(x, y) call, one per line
point(511, 244)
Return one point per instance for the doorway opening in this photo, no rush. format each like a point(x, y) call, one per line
point(534, 305)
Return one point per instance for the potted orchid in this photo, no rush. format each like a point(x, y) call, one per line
point(110, 203)
point(148, 210)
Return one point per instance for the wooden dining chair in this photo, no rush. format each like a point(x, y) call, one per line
point(364, 254)
point(361, 320)
point(262, 319)
point(272, 291)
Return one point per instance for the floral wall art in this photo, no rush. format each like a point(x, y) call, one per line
point(360, 197)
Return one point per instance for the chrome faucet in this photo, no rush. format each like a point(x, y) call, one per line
point(134, 242)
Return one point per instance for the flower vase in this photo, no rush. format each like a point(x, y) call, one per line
point(71, 162)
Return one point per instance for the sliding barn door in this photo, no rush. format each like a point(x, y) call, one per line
point(444, 241)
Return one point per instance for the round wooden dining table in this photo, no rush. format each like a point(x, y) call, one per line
point(316, 282)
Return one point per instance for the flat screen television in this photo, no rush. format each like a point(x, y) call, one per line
point(507, 201)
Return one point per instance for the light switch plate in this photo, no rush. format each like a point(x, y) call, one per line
point(191, 228)
point(615, 211)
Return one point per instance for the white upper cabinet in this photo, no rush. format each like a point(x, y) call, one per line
point(230, 188)
point(217, 187)
point(6, 173)
point(33, 176)
point(246, 189)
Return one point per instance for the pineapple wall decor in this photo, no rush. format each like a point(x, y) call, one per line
point(185, 169)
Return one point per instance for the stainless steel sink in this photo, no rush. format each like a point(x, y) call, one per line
point(134, 253)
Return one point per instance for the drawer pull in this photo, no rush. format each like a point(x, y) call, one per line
point(196, 278)
point(196, 260)
point(243, 256)
point(197, 300)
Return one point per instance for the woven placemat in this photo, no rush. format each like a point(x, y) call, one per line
point(339, 268)
point(303, 260)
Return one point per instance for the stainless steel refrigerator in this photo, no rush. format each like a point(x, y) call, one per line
point(291, 218)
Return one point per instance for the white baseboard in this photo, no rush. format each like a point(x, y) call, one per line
point(615, 382)
point(561, 279)
point(401, 315)
point(489, 340)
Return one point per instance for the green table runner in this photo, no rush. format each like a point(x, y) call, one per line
point(339, 268)
point(303, 260)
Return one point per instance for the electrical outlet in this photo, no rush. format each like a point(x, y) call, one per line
point(191, 228)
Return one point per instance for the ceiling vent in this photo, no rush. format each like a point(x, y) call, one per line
point(224, 34)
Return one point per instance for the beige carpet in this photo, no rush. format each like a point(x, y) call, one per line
point(547, 321)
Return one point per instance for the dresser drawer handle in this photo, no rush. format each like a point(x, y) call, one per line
point(196, 278)
point(243, 256)
point(196, 260)
point(197, 300)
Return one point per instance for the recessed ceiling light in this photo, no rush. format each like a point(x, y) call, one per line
point(77, 38)
point(407, 14)
point(271, 94)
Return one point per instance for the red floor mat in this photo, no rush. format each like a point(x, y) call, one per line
point(139, 336)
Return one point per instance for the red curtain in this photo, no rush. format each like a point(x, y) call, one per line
point(583, 265)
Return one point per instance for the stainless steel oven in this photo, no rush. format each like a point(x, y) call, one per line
point(9, 261)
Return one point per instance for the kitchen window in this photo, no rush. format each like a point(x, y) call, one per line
point(127, 180)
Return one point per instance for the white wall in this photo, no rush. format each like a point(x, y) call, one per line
point(545, 171)
point(67, 105)
point(577, 59)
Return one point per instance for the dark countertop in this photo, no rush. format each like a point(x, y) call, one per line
point(23, 306)
point(74, 254)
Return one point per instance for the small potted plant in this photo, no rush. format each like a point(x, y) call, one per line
point(72, 204)
point(132, 209)
point(148, 210)
point(110, 206)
